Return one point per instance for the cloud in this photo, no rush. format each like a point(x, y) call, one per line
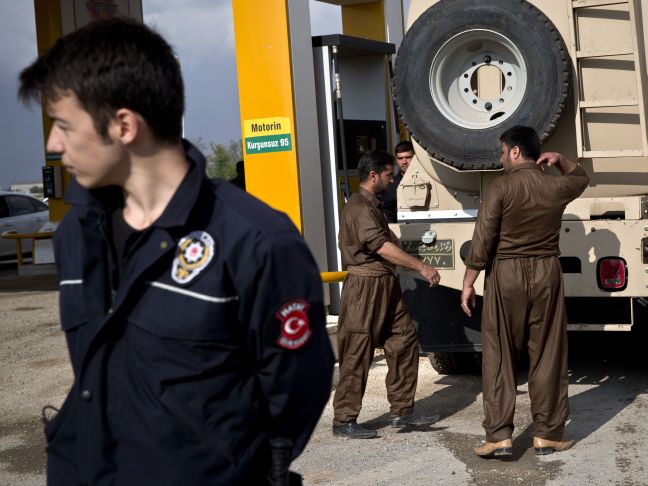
point(202, 33)
point(199, 30)
point(21, 137)
point(20, 127)
point(18, 38)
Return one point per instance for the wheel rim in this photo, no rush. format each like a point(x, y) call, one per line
point(467, 74)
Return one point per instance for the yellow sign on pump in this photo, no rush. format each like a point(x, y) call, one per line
point(265, 82)
point(267, 135)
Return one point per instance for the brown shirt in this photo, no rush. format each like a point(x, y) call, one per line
point(521, 214)
point(363, 230)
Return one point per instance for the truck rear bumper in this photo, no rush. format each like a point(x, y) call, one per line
point(443, 327)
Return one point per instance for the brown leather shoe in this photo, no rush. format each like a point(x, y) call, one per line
point(545, 446)
point(502, 449)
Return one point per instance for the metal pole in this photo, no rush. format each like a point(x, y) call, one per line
point(340, 117)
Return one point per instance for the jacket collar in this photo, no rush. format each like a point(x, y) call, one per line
point(523, 165)
point(369, 196)
point(178, 210)
point(175, 214)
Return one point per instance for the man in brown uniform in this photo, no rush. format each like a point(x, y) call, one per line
point(372, 311)
point(516, 241)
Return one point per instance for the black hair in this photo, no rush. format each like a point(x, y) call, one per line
point(404, 146)
point(525, 138)
point(108, 65)
point(374, 160)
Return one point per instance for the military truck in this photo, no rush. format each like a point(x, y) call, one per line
point(466, 71)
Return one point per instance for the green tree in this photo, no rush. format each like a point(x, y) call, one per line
point(35, 190)
point(221, 159)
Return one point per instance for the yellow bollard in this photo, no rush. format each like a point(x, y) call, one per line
point(333, 277)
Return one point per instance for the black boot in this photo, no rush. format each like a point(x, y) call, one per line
point(412, 420)
point(351, 430)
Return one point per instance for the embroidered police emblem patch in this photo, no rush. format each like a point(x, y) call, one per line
point(295, 330)
point(195, 251)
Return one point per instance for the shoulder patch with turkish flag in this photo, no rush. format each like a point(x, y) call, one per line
point(295, 331)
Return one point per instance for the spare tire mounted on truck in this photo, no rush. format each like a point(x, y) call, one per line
point(447, 53)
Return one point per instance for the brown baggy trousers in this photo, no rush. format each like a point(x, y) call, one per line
point(524, 305)
point(372, 313)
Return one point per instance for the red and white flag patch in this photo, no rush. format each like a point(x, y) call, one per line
point(295, 330)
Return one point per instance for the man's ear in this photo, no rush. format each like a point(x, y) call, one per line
point(126, 125)
point(515, 152)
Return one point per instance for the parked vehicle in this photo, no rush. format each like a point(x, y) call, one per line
point(23, 214)
point(466, 71)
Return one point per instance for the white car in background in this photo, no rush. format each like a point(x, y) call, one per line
point(23, 214)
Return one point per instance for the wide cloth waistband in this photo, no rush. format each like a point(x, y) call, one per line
point(373, 269)
point(523, 257)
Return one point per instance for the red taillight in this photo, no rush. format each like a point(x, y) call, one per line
point(612, 274)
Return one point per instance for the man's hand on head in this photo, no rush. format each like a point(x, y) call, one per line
point(549, 159)
point(557, 159)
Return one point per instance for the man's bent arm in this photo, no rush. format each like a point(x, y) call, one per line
point(287, 333)
point(390, 252)
point(557, 159)
point(577, 180)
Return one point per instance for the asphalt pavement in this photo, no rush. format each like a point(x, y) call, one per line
point(608, 398)
point(609, 419)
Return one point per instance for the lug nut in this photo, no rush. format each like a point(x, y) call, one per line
point(488, 106)
point(487, 59)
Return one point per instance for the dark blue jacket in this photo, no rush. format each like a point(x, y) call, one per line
point(204, 351)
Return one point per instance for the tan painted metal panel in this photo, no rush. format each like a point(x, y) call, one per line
point(612, 136)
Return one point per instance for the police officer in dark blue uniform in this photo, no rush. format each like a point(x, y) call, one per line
point(193, 312)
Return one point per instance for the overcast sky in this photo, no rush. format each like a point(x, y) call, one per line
point(202, 33)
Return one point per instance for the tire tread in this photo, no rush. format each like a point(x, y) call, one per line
point(565, 89)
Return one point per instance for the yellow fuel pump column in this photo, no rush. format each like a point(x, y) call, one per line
point(267, 108)
point(278, 112)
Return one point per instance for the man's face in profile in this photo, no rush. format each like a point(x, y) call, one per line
point(85, 154)
point(383, 179)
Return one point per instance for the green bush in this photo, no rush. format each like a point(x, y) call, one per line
point(221, 159)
